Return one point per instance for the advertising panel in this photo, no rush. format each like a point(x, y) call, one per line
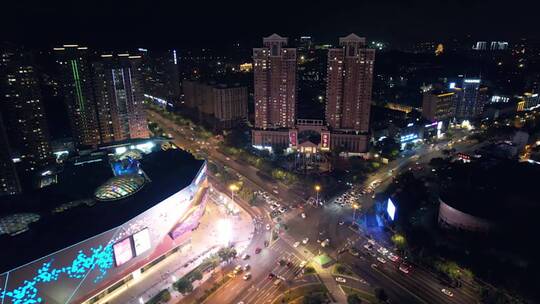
point(122, 251)
point(325, 140)
point(293, 138)
point(141, 241)
point(391, 209)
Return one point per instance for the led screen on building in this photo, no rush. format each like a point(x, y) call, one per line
point(141, 241)
point(391, 209)
point(122, 251)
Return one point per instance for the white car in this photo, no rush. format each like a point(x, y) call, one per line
point(273, 207)
point(382, 250)
point(246, 267)
point(304, 241)
point(282, 209)
point(341, 280)
point(447, 292)
point(296, 244)
point(303, 215)
point(392, 257)
point(381, 259)
point(303, 264)
point(325, 243)
point(268, 227)
point(247, 276)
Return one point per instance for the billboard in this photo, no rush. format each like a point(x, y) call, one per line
point(325, 140)
point(122, 251)
point(141, 241)
point(391, 209)
point(293, 138)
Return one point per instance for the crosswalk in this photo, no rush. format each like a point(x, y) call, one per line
point(266, 290)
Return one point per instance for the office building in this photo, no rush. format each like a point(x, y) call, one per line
point(480, 46)
point(532, 100)
point(498, 45)
point(22, 109)
point(9, 180)
point(471, 98)
point(119, 98)
point(76, 87)
point(349, 85)
point(274, 84)
point(438, 105)
point(160, 75)
point(222, 105)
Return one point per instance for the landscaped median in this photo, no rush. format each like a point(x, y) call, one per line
point(295, 295)
point(369, 298)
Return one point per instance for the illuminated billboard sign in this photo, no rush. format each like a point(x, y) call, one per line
point(122, 251)
point(293, 138)
point(325, 140)
point(391, 209)
point(141, 241)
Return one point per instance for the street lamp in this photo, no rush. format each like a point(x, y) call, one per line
point(233, 187)
point(355, 206)
point(317, 189)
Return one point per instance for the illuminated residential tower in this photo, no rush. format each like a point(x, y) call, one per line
point(275, 84)
point(349, 85)
point(22, 109)
point(119, 98)
point(77, 91)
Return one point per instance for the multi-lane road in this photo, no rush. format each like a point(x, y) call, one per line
point(420, 286)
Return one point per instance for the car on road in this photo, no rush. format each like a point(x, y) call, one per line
point(245, 256)
point(277, 282)
point(341, 280)
point(354, 252)
point(268, 227)
point(404, 268)
point(304, 241)
point(272, 207)
point(303, 215)
point(289, 264)
point(368, 246)
point(296, 244)
point(303, 264)
point(258, 250)
point(382, 260)
point(392, 257)
point(382, 250)
point(282, 209)
point(271, 276)
point(325, 243)
point(246, 267)
point(341, 223)
point(237, 269)
point(247, 276)
point(447, 292)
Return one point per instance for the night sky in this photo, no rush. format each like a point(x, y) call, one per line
point(184, 23)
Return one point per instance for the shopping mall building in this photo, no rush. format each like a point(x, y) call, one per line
point(98, 221)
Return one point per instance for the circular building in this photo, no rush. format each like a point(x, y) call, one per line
point(453, 218)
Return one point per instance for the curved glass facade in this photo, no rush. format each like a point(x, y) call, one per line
point(119, 187)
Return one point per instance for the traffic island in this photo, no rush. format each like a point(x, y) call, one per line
point(323, 260)
point(297, 294)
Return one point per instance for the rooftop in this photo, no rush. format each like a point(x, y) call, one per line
point(88, 199)
point(497, 191)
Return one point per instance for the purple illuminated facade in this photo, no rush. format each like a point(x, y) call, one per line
point(89, 270)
